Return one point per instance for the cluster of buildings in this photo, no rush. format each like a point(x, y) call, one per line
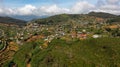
point(34, 31)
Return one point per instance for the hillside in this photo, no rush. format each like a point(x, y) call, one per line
point(115, 20)
point(79, 18)
point(27, 17)
point(65, 40)
point(102, 52)
point(9, 20)
point(102, 15)
point(67, 18)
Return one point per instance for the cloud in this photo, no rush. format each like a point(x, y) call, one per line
point(113, 9)
point(32, 10)
point(26, 10)
point(109, 6)
point(78, 7)
point(53, 9)
point(113, 1)
point(82, 7)
point(6, 11)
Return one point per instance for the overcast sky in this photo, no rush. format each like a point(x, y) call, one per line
point(52, 7)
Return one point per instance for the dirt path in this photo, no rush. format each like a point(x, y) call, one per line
point(28, 65)
point(4, 48)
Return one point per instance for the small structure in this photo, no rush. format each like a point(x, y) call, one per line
point(82, 35)
point(73, 34)
point(96, 36)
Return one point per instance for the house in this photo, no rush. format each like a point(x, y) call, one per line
point(82, 35)
point(96, 36)
point(73, 34)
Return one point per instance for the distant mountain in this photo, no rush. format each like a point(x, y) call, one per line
point(9, 20)
point(32, 17)
point(102, 15)
point(27, 17)
point(111, 18)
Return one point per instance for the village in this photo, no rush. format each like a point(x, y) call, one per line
point(41, 35)
point(34, 31)
point(13, 36)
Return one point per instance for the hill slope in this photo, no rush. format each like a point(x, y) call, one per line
point(9, 20)
point(66, 18)
point(115, 20)
point(79, 18)
point(103, 52)
point(102, 15)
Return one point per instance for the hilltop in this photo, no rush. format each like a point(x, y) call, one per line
point(65, 19)
point(12, 21)
point(102, 15)
point(79, 18)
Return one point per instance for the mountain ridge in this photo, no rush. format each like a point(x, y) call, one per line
point(90, 17)
point(12, 21)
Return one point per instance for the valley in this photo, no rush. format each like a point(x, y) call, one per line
point(64, 40)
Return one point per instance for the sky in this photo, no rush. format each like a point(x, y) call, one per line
point(53, 7)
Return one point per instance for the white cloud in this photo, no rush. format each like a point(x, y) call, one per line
point(110, 6)
point(1, 10)
point(82, 7)
point(6, 11)
point(113, 9)
point(53, 9)
point(113, 1)
point(79, 7)
point(26, 10)
point(32, 10)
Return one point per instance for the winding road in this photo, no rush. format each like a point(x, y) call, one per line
point(4, 48)
point(4, 42)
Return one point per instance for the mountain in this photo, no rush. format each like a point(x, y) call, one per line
point(9, 20)
point(102, 15)
point(32, 17)
point(66, 18)
point(111, 18)
point(79, 18)
point(27, 17)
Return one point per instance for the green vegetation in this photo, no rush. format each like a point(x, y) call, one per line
point(102, 52)
point(65, 40)
point(1, 46)
point(102, 15)
point(114, 20)
point(26, 51)
point(65, 19)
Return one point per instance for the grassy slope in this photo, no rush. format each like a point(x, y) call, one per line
point(102, 15)
point(64, 18)
point(91, 17)
point(103, 52)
